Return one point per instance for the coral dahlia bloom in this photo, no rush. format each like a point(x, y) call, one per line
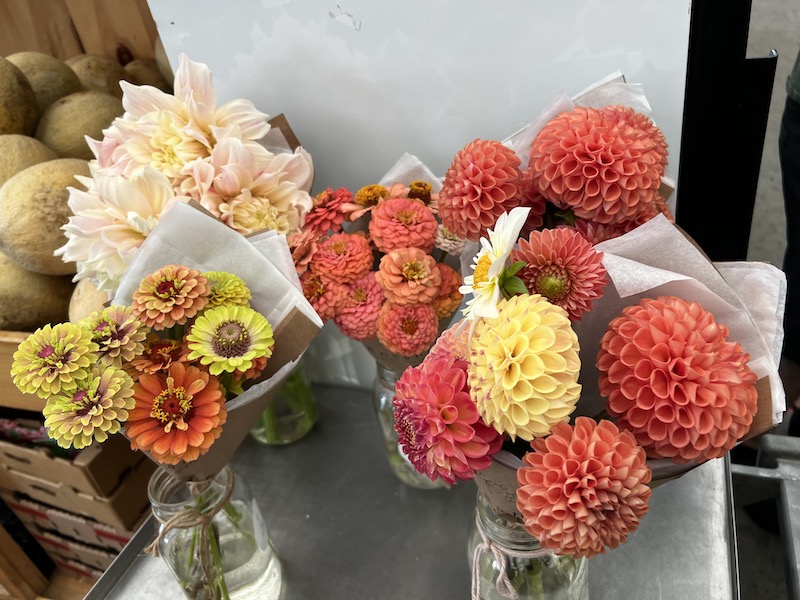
point(325, 296)
point(118, 334)
point(438, 425)
point(170, 296)
point(409, 276)
point(91, 411)
point(563, 267)
point(178, 414)
point(605, 164)
point(343, 257)
point(327, 214)
point(672, 378)
point(524, 366)
point(158, 354)
point(583, 488)
point(407, 330)
point(483, 182)
point(449, 298)
point(402, 223)
point(357, 317)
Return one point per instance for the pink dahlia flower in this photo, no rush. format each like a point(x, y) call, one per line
point(343, 257)
point(409, 276)
point(483, 182)
point(672, 378)
point(594, 233)
point(407, 330)
point(324, 295)
point(583, 488)
point(327, 214)
point(605, 164)
point(402, 223)
point(358, 315)
point(438, 425)
point(563, 267)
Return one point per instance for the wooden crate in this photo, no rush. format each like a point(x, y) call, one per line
point(19, 577)
point(10, 396)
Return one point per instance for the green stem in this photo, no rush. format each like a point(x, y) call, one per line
point(235, 518)
point(269, 419)
point(219, 579)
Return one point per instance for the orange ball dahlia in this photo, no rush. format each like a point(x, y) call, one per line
point(407, 330)
point(343, 257)
point(563, 267)
point(483, 182)
point(170, 296)
point(325, 296)
point(409, 276)
point(402, 223)
point(178, 414)
point(438, 425)
point(672, 378)
point(605, 164)
point(357, 317)
point(583, 488)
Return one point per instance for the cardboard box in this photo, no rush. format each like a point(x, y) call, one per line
point(77, 568)
point(59, 547)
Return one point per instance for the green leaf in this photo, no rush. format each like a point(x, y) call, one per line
point(514, 269)
point(567, 216)
point(514, 285)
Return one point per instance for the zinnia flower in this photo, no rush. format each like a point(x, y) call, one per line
point(178, 414)
point(483, 182)
point(118, 334)
point(92, 410)
point(367, 198)
point(409, 276)
point(170, 296)
point(604, 164)
point(583, 488)
point(524, 366)
point(226, 288)
point(357, 316)
point(448, 242)
point(303, 246)
point(563, 267)
point(421, 190)
point(672, 378)
point(489, 263)
point(407, 330)
point(438, 425)
point(325, 296)
point(327, 214)
point(52, 358)
point(343, 257)
point(402, 223)
point(158, 354)
point(230, 339)
point(449, 298)
point(454, 341)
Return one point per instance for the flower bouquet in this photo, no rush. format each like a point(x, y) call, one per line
point(205, 324)
point(567, 399)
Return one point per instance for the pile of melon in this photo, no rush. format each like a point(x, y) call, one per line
point(47, 107)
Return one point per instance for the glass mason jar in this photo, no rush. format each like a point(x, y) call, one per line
point(542, 575)
point(383, 393)
point(291, 414)
point(222, 548)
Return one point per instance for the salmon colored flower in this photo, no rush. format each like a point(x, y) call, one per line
point(675, 381)
point(449, 298)
point(357, 317)
point(407, 330)
point(367, 198)
point(583, 488)
point(158, 354)
point(454, 341)
point(118, 334)
point(402, 223)
point(409, 276)
point(303, 246)
point(178, 414)
point(170, 296)
point(327, 214)
point(438, 425)
point(343, 257)
point(325, 296)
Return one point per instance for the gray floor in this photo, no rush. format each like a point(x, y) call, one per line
point(774, 24)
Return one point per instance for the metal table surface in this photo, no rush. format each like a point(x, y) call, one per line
point(346, 528)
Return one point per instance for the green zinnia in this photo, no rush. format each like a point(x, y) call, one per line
point(227, 288)
point(230, 339)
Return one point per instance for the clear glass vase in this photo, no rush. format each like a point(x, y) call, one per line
point(533, 574)
point(213, 538)
point(383, 393)
point(291, 414)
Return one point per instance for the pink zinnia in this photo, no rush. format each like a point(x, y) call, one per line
point(437, 423)
point(343, 257)
point(358, 315)
point(453, 342)
point(583, 488)
point(303, 246)
point(672, 378)
point(407, 330)
point(483, 182)
point(325, 296)
point(402, 223)
point(449, 298)
point(563, 267)
point(327, 214)
point(409, 276)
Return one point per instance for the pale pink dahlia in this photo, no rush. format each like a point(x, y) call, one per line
point(357, 317)
point(324, 295)
point(407, 330)
point(605, 164)
point(583, 488)
point(563, 267)
point(438, 425)
point(449, 298)
point(483, 182)
point(402, 223)
point(343, 257)
point(409, 276)
point(327, 214)
point(672, 378)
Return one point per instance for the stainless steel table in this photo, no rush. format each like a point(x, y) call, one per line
point(345, 528)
